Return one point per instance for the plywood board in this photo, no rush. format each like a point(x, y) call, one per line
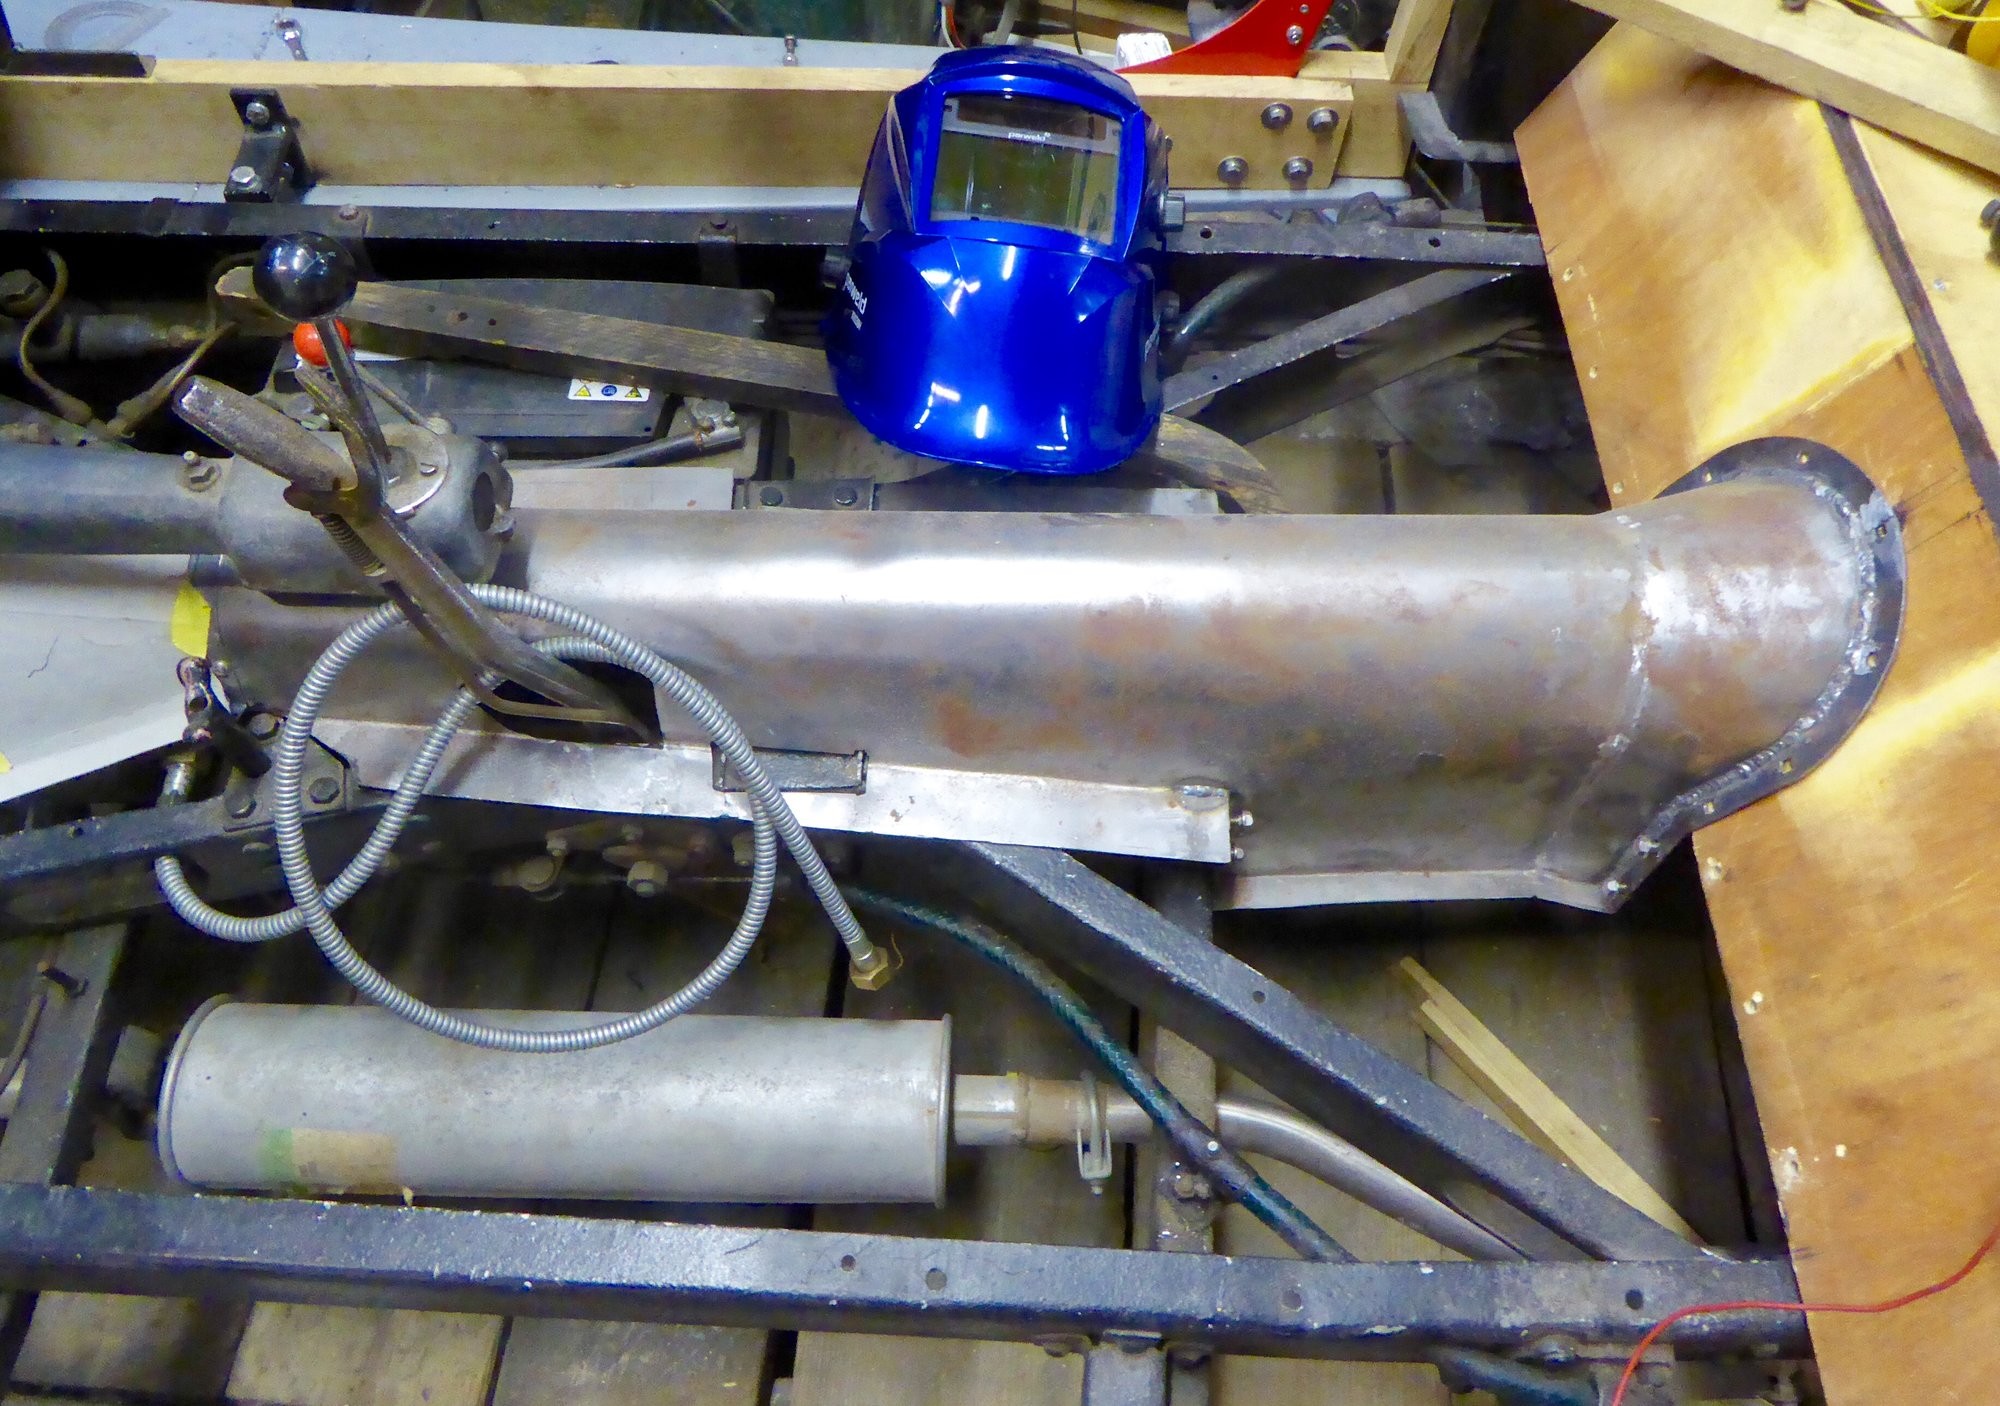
point(1881, 72)
point(1852, 910)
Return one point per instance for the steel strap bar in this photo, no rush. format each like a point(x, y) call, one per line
point(1071, 914)
point(393, 1256)
point(1355, 320)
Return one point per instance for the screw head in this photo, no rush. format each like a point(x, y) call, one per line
point(770, 497)
point(1990, 216)
point(1277, 115)
point(1299, 169)
point(242, 176)
point(350, 212)
point(257, 113)
point(242, 805)
point(323, 791)
point(846, 497)
point(1232, 169)
point(1322, 120)
point(199, 474)
point(1295, 36)
point(263, 726)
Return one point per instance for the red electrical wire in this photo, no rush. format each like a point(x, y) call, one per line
point(1950, 1281)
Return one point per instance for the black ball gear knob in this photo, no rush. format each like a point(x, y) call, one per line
point(304, 276)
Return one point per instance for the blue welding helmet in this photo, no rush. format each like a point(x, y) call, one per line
point(997, 306)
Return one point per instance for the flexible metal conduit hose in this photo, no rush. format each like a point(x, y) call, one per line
point(772, 822)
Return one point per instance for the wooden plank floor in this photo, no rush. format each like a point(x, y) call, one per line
point(1605, 1009)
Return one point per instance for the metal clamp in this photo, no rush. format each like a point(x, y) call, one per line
point(1093, 1137)
point(270, 165)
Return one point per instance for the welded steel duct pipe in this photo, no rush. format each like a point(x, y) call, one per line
point(1407, 707)
point(704, 1108)
point(115, 502)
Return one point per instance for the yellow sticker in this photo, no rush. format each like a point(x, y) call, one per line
point(5, 765)
point(187, 627)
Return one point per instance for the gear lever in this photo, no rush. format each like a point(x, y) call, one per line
point(309, 277)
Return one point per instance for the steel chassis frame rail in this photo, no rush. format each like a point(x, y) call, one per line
point(1466, 245)
point(1069, 1298)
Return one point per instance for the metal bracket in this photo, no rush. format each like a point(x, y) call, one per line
point(270, 165)
point(828, 494)
point(323, 786)
point(716, 254)
point(801, 771)
point(1093, 1138)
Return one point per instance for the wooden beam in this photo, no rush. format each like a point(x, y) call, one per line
point(1534, 1107)
point(1881, 74)
point(1415, 35)
point(1115, 17)
point(470, 124)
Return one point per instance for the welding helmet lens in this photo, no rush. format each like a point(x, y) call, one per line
point(1022, 160)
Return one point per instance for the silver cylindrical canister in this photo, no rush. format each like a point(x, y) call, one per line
point(705, 1108)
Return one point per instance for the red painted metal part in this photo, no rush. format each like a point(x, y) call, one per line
point(1257, 42)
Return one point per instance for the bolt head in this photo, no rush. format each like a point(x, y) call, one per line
point(199, 474)
point(1232, 169)
point(323, 791)
point(1277, 115)
point(242, 805)
point(350, 212)
point(771, 497)
point(846, 497)
point(646, 878)
point(1295, 36)
point(1990, 216)
point(257, 113)
point(538, 872)
point(1189, 1186)
point(1322, 119)
point(242, 176)
point(1299, 169)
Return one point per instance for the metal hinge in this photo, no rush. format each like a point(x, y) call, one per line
point(270, 165)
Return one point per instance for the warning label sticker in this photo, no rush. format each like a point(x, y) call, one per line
point(608, 390)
